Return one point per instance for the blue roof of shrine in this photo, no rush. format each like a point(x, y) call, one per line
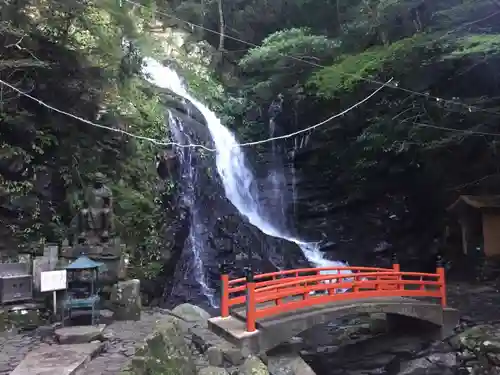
point(83, 263)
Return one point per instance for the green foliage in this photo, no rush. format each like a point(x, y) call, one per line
point(299, 43)
point(477, 44)
point(46, 159)
point(272, 69)
point(350, 70)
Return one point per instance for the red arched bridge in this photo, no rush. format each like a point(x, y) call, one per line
point(261, 311)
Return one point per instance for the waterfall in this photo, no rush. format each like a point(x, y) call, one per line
point(193, 262)
point(277, 181)
point(238, 180)
point(294, 177)
point(299, 142)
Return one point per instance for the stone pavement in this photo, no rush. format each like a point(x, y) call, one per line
point(123, 337)
point(13, 349)
point(58, 359)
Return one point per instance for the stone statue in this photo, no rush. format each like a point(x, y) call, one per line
point(96, 235)
point(95, 219)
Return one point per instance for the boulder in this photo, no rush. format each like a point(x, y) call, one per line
point(165, 351)
point(192, 314)
point(253, 366)
point(126, 300)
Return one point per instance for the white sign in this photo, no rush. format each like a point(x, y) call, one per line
point(52, 280)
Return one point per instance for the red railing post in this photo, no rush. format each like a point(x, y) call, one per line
point(250, 301)
point(395, 263)
point(397, 268)
point(442, 280)
point(224, 294)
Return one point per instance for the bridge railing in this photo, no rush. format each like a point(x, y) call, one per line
point(280, 292)
point(234, 291)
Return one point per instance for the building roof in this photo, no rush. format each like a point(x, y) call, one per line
point(83, 263)
point(476, 201)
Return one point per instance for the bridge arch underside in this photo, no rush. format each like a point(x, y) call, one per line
point(402, 315)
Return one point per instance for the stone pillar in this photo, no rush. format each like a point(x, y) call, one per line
point(51, 253)
point(46, 262)
point(40, 264)
point(126, 300)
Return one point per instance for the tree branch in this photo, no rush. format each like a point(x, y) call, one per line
point(221, 26)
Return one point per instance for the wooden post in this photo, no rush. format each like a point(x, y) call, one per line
point(395, 263)
point(250, 302)
point(54, 302)
point(442, 280)
point(397, 268)
point(464, 228)
point(224, 296)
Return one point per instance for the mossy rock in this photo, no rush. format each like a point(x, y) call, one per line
point(164, 352)
point(20, 318)
point(254, 366)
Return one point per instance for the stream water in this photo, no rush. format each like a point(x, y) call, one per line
point(237, 178)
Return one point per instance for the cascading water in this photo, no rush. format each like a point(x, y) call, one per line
point(277, 181)
point(299, 142)
point(192, 266)
point(238, 180)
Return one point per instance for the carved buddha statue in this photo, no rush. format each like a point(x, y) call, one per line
point(95, 219)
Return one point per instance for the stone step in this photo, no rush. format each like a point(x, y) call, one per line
point(79, 334)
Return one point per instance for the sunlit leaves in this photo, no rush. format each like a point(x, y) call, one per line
point(350, 70)
point(481, 45)
point(284, 59)
point(298, 43)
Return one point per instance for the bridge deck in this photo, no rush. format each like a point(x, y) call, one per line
point(271, 329)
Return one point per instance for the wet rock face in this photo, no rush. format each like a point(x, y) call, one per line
point(216, 232)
